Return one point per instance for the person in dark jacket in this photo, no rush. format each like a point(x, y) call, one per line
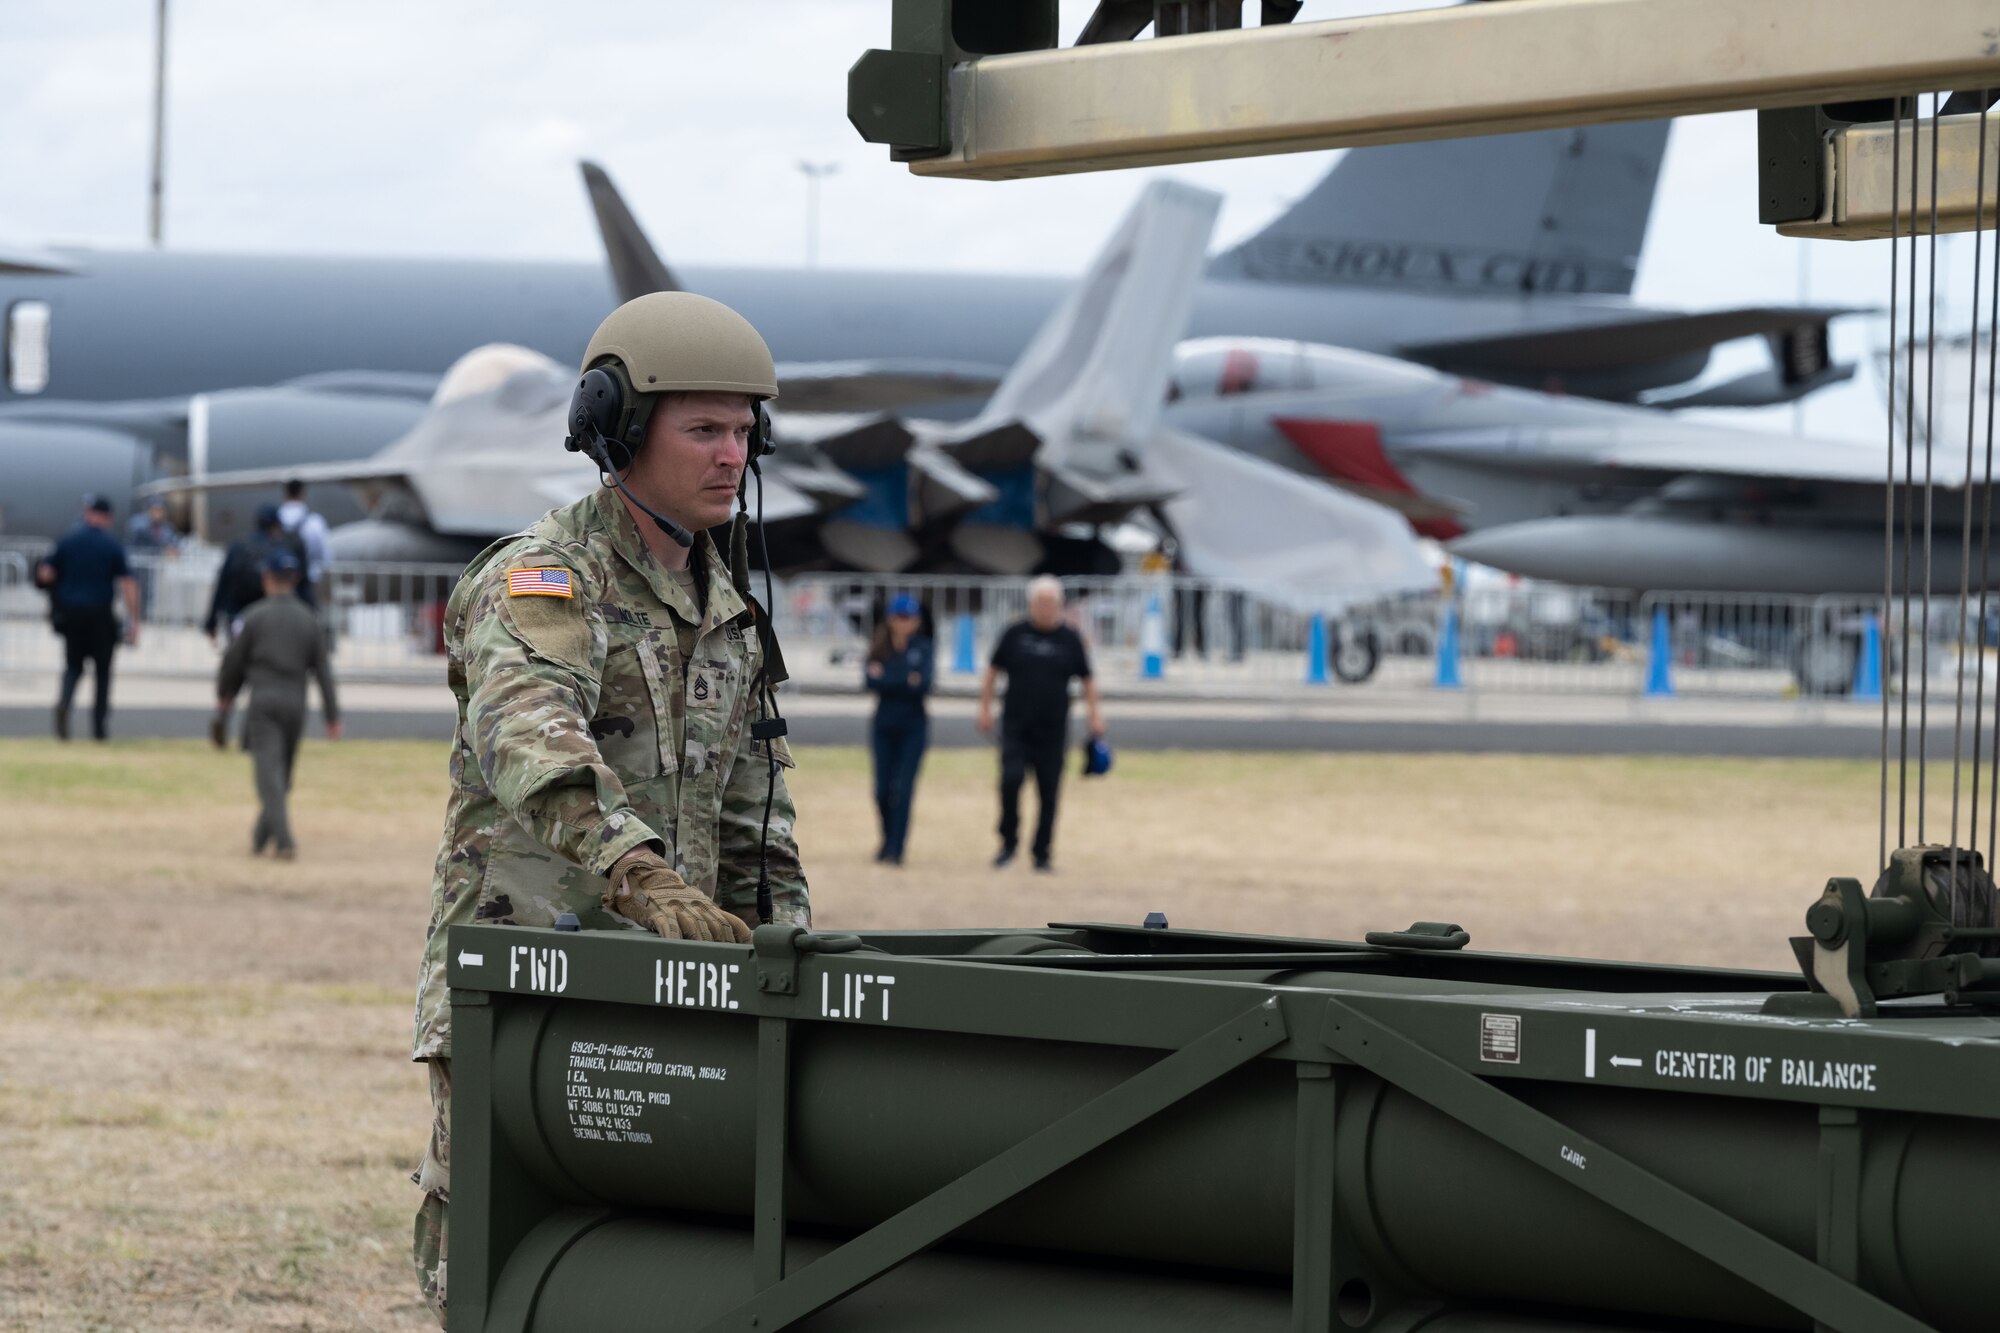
point(240, 584)
point(278, 646)
point(901, 664)
point(1039, 656)
point(85, 574)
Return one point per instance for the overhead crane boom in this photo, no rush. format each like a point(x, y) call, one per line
point(978, 90)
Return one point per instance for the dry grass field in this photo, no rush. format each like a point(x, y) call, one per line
point(207, 1117)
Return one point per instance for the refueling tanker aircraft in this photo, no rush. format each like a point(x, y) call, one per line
point(1591, 493)
point(1104, 418)
point(1071, 439)
point(127, 367)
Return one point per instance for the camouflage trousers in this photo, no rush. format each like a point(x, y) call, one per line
point(433, 1177)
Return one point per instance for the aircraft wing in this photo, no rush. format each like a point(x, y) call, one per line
point(1584, 357)
point(1671, 451)
point(359, 472)
point(35, 259)
point(880, 386)
point(1744, 454)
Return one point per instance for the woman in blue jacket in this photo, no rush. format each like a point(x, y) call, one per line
point(900, 663)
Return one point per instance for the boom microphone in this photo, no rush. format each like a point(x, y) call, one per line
point(587, 439)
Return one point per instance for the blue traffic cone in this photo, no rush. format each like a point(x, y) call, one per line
point(1868, 670)
point(1447, 655)
point(1660, 661)
point(1316, 652)
point(1152, 641)
point(963, 660)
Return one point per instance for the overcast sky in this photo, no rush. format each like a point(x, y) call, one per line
point(453, 127)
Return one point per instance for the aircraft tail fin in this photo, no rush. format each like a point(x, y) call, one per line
point(1545, 212)
point(636, 267)
point(1095, 374)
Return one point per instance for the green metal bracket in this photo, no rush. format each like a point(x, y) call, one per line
point(929, 1220)
point(774, 1095)
point(1791, 154)
point(777, 950)
point(1835, 1301)
point(1313, 1205)
point(1839, 1194)
point(897, 96)
point(1862, 948)
point(1423, 935)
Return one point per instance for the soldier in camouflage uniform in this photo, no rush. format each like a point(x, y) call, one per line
point(603, 763)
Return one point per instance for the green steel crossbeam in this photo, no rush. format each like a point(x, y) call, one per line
point(934, 1217)
point(1832, 1300)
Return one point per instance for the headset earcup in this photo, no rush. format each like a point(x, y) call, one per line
point(761, 443)
point(595, 410)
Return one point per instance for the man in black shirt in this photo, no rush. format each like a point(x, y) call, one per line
point(85, 573)
point(1039, 655)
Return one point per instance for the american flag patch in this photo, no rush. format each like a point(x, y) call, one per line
point(538, 583)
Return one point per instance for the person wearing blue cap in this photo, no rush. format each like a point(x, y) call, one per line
point(901, 663)
point(240, 584)
point(278, 645)
point(85, 574)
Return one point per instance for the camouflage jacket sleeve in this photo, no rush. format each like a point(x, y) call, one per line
point(751, 779)
point(533, 666)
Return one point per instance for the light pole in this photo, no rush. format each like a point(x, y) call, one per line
point(153, 218)
point(814, 172)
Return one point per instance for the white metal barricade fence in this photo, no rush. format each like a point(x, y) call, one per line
point(383, 620)
point(1155, 634)
point(1167, 635)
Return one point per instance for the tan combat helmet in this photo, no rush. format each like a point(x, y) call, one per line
point(665, 342)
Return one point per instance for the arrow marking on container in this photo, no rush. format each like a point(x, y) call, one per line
point(479, 959)
point(1624, 1061)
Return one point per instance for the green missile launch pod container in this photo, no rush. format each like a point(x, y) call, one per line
point(1100, 1127)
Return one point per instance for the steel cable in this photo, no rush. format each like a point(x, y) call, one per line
point(1909, 503)
point(1889, 484)
point(1992, 368)
point(1930, 488)
point(1965, 527)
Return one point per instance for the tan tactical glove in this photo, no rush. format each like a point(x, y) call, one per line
point(644, 888)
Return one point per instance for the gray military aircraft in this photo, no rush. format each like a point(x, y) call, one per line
point(1553, 487)
point(125, 367)
point(1070, 440)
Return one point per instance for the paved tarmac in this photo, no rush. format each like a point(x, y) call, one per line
point(1357, 722)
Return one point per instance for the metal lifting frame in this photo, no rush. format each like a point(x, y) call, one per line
point(1431, 74)
point(512, 1221)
